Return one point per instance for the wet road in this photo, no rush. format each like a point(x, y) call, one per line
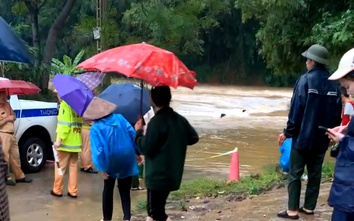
point(33, 202)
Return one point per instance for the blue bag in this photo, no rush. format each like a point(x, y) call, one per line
point(285, 150)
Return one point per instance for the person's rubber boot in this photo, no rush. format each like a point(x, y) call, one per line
point(149, 218)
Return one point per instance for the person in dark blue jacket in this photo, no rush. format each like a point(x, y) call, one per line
point(341, 196)
point(315, 102)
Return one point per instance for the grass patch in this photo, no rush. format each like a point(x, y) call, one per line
point(328, 170)
point(141, 206)
point(248, 185)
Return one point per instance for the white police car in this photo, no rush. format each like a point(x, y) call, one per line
point(35, 131)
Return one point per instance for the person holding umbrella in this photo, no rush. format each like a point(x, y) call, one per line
point(91, 80)
point(68, 145)
point(136, 180)
point(113, 152)
point(9, 141)
point(7, 128)
point(164, 146)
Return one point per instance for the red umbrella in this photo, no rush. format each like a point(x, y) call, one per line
point(154, 65)
point(18, 87)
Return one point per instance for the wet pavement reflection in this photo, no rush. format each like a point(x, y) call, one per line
point(33, 201)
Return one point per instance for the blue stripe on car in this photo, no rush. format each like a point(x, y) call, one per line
point(43, 112)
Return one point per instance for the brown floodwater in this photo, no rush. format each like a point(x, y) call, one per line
point(254, 116)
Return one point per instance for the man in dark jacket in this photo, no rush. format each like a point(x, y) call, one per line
point(315, 102)
point(164, 147)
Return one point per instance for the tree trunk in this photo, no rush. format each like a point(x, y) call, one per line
point(51, 41)
point(35, 30)
point(33, 9)
point(35, 36)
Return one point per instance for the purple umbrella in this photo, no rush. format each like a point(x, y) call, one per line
point(91, 79)
point(75, 93)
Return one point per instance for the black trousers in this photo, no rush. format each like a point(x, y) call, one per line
point(156, 202)
point(313, 161)
point(107, 197)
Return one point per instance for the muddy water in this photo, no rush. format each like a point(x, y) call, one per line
point(253, 118)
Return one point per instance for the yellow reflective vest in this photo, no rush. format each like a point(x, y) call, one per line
point(69, 129)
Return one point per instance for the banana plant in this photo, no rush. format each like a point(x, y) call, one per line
point(67, 66)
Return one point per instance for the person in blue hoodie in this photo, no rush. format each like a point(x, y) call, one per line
point(114, 153)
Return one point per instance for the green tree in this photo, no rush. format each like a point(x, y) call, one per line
point(47, 19)
point(208, 35)
point(178, 24)
point(336, 31)
point(288, 27)
point(67, 66)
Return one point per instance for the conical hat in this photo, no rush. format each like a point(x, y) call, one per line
point(98, 108)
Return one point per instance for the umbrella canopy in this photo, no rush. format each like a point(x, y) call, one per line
point(127, 97)
point(154, 65)
point(75, 93)
point(91, 79)
point(12, 48)
point(17, 87)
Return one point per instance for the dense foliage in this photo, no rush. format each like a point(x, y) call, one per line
point(225, 41)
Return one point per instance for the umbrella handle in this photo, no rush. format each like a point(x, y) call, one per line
point(141, 101)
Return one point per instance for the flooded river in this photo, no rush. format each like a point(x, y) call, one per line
point(253, 118)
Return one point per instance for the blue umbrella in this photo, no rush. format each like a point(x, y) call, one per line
point(12, 48)
point(127, 97)
point(75, 93)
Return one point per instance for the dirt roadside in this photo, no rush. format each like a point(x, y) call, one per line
point(263, 207)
